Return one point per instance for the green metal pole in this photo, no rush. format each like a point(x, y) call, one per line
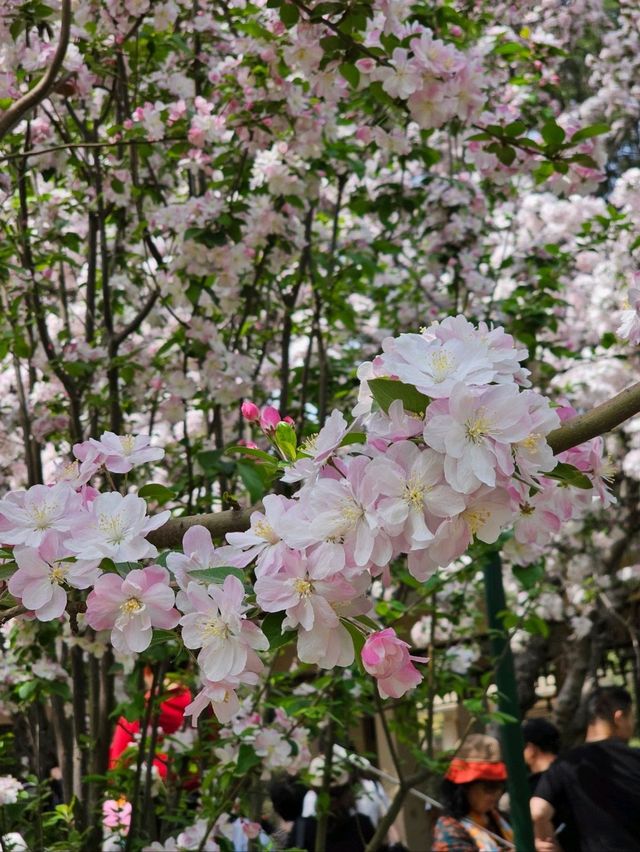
point(511, 733)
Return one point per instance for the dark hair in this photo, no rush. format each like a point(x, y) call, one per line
point(287, 797)
point(605, 701)
point(454, 798)
point(541, 733)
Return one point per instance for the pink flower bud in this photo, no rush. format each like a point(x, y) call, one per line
point(387, 658)
point(269, 418)
point(250, 411)
point(289, 420)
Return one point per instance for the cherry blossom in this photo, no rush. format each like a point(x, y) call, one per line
point(42, 572)
point(304, 587)
point(387, 658)
point(411, 482)
point(29, 515)
point(115, 527)
point(132, 606)
point(476, 434)
point(122, 453)
point(264, 538)
point(219, 628)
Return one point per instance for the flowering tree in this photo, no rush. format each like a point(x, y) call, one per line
point(212, 218)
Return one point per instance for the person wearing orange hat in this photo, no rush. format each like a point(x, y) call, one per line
point(471, 790)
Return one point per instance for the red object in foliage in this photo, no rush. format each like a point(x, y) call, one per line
point(170, 720)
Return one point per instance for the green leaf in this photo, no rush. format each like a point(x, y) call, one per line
point(512, 48)
point(570, 475)
point(353, 438)
point(358, 641)
point(247, 759)
point(635, 244)
point(516, 128)
point(529, 575)
point(21, 346)
point(553, 134)
point(123, 568)
point(154, 491)
point(536, 625)
point(289, 15)
point(7, 570)
point(218, 574)
point(589, 132)
point(251, 479)
point(386, 391)
point(286, 441)
point(506, 154)
point(350, 74)
point(272, 629)
point(267, 461)
point(26, 689)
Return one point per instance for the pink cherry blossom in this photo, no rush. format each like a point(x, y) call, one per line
point(132, 606)
point(487, 513)
point(124, 452)
point(219, 627)
point(304, 587)
point(78, 472)
point(116, 814)
point(434, 367)
point(29, 515)
point(264, 538)
point(269, 418)
point(320, 448)
point(411, 484)
point(328, 645)
point(344, 510)
point(250, 411)
point(477, 433)
point(403, 76)
point(387, 658)
point(115, 527)
point(221, 695)
point(42, 572)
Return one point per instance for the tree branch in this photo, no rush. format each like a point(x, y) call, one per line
point(603, 418)
point(17, 110)
point(218, 523)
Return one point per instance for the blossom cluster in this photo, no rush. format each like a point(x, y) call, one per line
point(449, 445)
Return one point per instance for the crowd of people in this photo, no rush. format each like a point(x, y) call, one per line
point(584, 800)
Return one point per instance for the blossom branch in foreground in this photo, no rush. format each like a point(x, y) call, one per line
point(17, 110)
point(601, 419)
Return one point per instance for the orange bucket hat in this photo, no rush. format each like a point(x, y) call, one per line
point(478, 759)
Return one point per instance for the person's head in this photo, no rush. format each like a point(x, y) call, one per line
point(287, 796)
point(475, 780)
point(610, 714)
point(541, 744)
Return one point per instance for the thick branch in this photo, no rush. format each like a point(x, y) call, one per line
point(218, 523)
point(17, 110)
point(603, 418)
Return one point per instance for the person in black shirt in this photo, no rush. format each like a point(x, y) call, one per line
point(597, 784)
point(541, 749)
